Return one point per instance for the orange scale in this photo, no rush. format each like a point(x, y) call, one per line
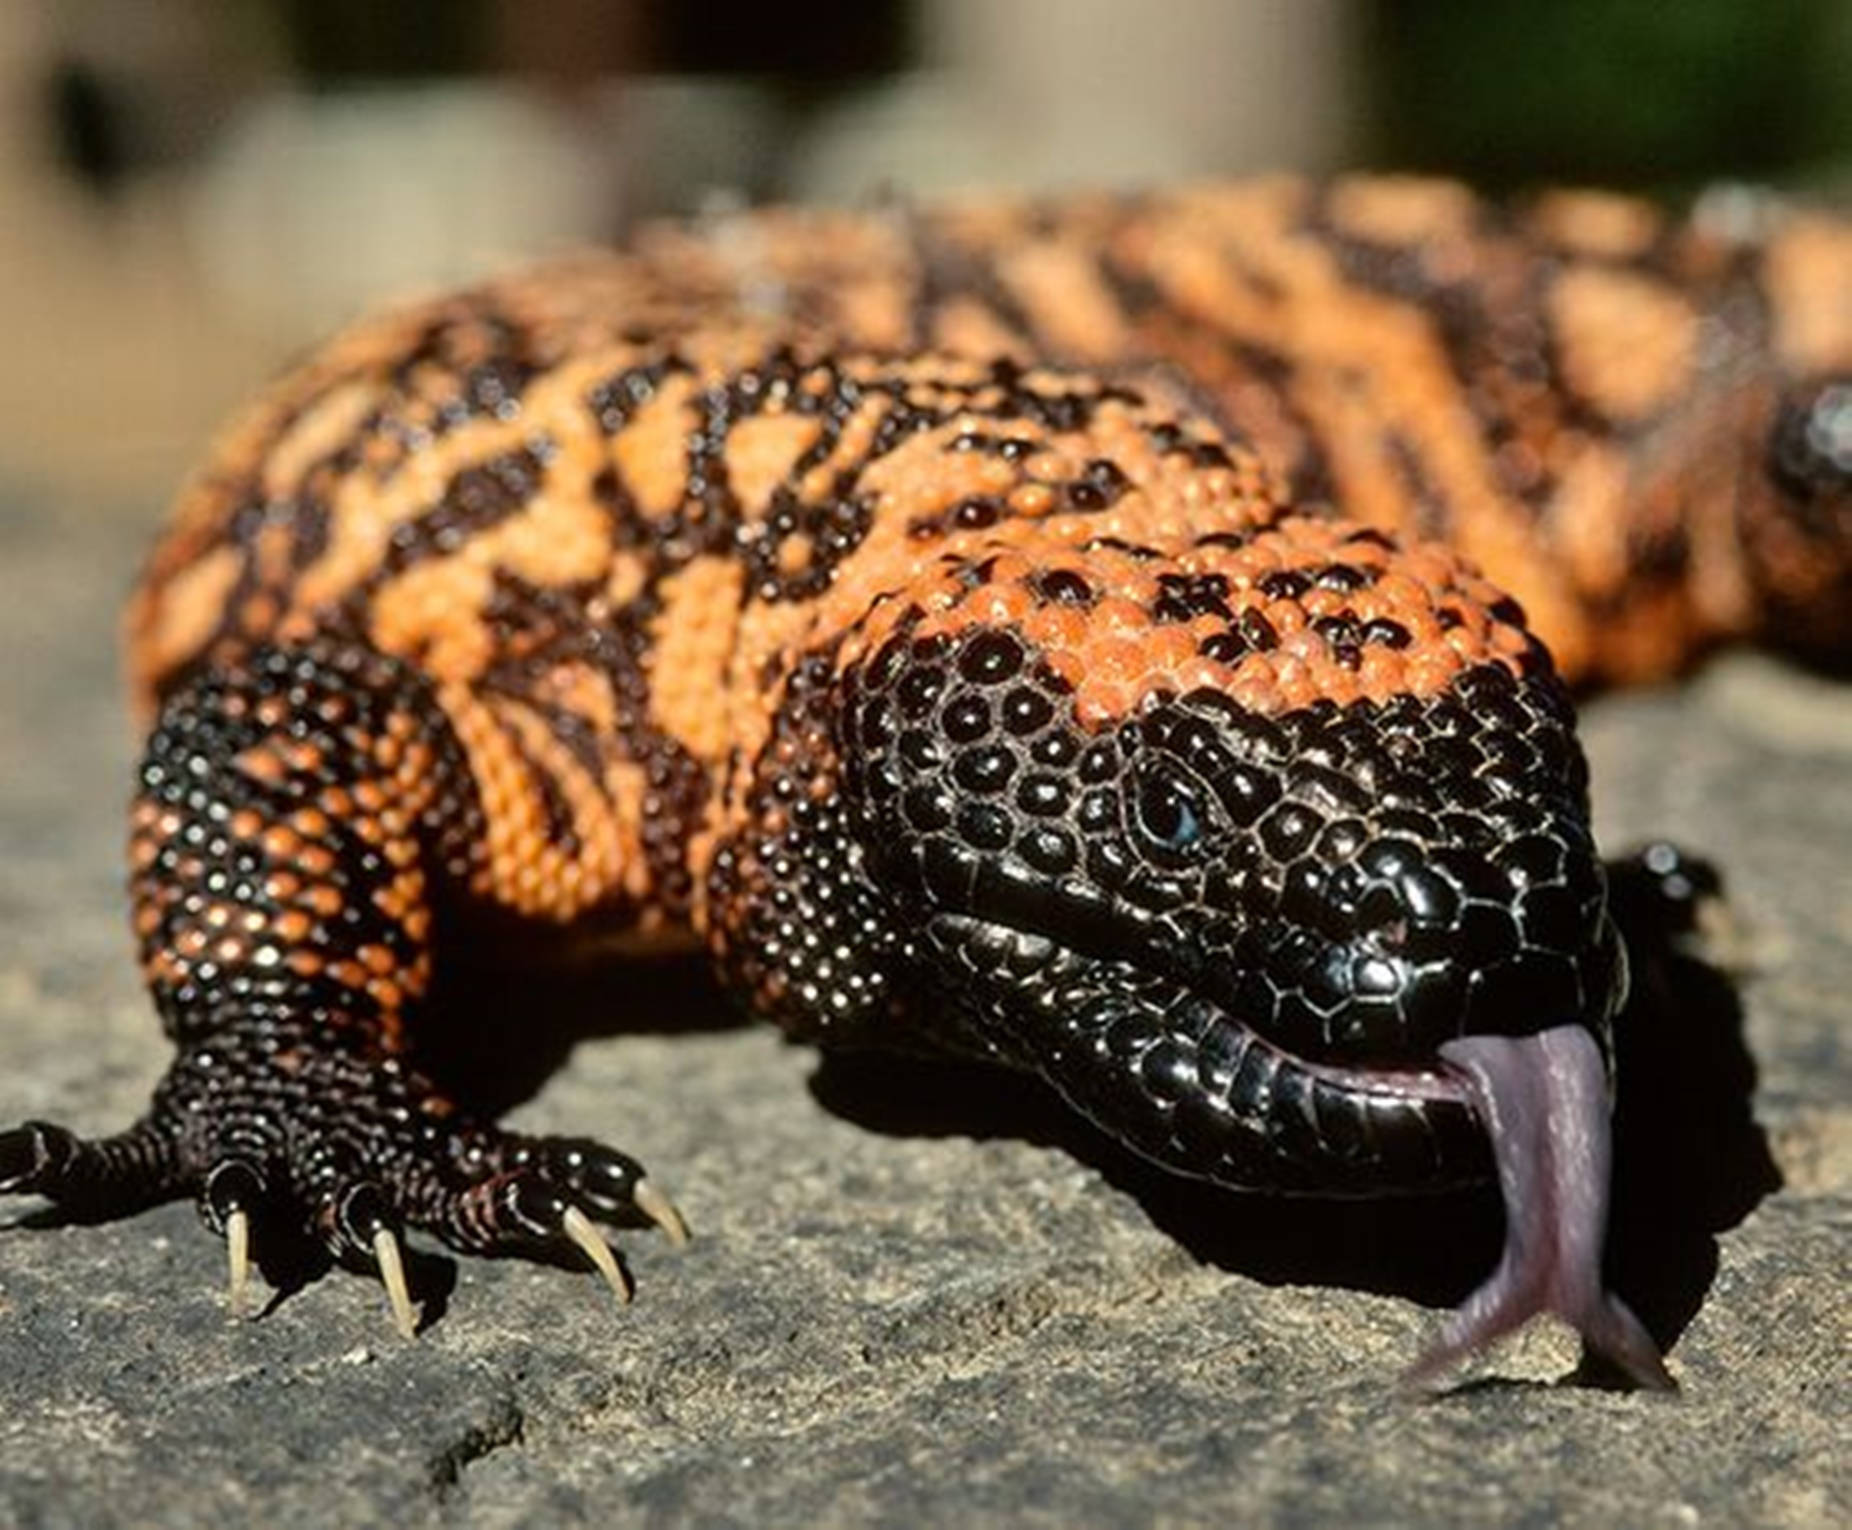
point(1256, 692)
point(1303, 646)
point(1117, 660)
point(1109, 576)
point(1033, 499)
point(1010, 567)
point(1340, 685)
point(1299, 691)
point(1381, 672)
point(1423, 629)
point(1205, 560)
point(348, 974)
point(1056, 627)
point(1116, 614)
point(1000, 605)
point(1253, 566)
point(1203, 674)
point(995, 476)
point(1206, 488)
point(1470, 646)
point(941, 595)
point(280, 842)
point(1286, 666)
point(1477, 620)
point(315, 860)
point(1062, 530)
point(1395, 592)
point(1510, 642)
point(1286, 616)
point(1319, 601)
point(1170, 647)
point(1430, 672)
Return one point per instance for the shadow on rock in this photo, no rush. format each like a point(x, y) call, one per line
point(1689, 1159)
point(506, 1030)
point(1431, 1249)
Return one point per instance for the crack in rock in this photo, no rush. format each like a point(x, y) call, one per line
point(504, 1426)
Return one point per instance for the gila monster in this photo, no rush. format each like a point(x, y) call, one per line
point(1122, 638)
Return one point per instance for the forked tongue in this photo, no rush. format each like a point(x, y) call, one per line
point(1543, 1099)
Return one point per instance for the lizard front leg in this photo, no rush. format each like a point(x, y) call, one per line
point(306, 822)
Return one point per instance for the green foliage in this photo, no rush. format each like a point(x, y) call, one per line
point(1655, 93)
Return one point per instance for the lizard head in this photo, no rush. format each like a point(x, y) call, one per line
point(1272, 855)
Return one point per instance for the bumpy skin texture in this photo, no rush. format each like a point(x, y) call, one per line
point(1047, 633)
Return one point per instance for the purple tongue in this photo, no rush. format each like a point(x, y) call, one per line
point(1543, 1099)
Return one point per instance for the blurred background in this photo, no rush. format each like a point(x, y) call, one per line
point(190, 190)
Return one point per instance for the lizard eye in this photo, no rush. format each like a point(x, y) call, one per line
point(1170, 810)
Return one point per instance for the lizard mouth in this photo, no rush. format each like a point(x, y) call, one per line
point(1179, 1078)
point(1165, 1063)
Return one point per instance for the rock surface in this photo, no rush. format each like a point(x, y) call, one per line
point(935, 1302)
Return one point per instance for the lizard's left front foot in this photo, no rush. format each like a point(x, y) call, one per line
point(355, 1149)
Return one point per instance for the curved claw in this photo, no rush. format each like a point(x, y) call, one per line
point(232, 1191)
point(661, 1210)
point(364, 1225)
point(238, 1256)
point(578, 1227)
point(544, 1215)
point(392, 1271)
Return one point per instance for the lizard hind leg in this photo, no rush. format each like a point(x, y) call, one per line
point(303, 814)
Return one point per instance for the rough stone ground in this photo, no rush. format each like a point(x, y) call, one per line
point(935, 1302)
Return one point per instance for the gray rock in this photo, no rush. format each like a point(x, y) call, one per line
point(934, 1301)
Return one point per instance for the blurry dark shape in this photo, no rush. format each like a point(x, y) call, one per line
point(1614, 92)
point(570, 45)
point(826, 41)
point(88, 126)
point(332, 41)
point(829, 41)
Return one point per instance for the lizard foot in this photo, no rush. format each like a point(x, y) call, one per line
point(355, 1149)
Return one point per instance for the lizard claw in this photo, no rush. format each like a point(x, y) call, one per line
point(233, 1190)
point(364, 1226)
point(660, 1210)
point(578, 1227)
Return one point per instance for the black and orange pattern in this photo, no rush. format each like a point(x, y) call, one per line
point(1073, 634)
